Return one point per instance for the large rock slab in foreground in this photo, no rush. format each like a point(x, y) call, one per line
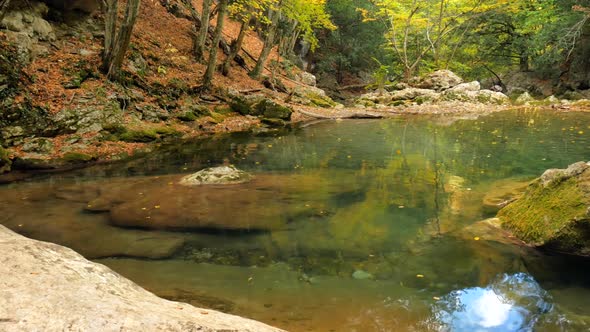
point(46, 287)
point(554, 212)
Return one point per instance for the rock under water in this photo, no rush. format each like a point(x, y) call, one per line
point(46, 287)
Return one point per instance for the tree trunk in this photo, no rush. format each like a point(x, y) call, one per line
point(115, 48)
point(236, 46)
point(110, 29)
point(268, 44)
point(199, 47)
point(207, 80)
point(524, 63)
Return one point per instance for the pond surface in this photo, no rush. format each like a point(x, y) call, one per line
point(347, 226)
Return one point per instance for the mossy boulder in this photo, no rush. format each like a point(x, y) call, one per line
point(5, 161)
point(554, 212)
point(272, 110)
point(246, 105)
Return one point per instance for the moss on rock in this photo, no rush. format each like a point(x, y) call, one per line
point(5, 162)
point(77, 157)
point(554, 213)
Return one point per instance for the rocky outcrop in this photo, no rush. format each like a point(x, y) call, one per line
point(259, 105)
point(311, 96)
point(446, 90)
point(439, 80)
point(554, 212)
point(46, 287)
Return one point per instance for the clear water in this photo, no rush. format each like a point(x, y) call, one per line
point(377, 224)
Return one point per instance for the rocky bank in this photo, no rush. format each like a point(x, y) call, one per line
point(46, 287)
point(554, 211)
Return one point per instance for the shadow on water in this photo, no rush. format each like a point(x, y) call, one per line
point(347, 226)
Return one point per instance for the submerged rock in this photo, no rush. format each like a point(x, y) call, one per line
point(79, 295)
point(502, 193)
point(362, 275)
point(554, 212)
point(216, 175)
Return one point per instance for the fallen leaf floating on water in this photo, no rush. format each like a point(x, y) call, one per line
point(250, 279)
point(419, 276)
point(436, 298)
point(476, 238)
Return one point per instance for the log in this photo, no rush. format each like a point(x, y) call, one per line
point(347, 116)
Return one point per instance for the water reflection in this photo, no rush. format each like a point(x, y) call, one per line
point(511, 303)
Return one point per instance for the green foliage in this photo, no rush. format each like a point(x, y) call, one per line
point(470, 37)
point(352, 46)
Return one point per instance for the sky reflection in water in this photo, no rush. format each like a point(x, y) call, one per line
point(511, 303)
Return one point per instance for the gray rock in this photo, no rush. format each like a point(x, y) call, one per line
point(38, 145)
point(12, 132)
point(46, 287)
point(413, 93)
point(440, 80)
point(216, 175)
point(524, 99)
point(307, 78)
point(464, 87)
point(43, 29)
point(13, 21)
point(85, 53)
point(491, 97)
point(552, 100)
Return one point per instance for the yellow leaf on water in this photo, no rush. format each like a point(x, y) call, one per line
point(436, 298)
point(476, 238)
point(156, 207)
point(419, 276)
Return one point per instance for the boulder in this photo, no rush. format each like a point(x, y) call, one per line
point(440, 80)
point(524, 99)
point(554, 212)
point(470, 96)
point(413, 93)
point(491, 97)
point(5, 161)
point(464, 87)
point(307, 78)
point(312, 96)
point(46, 287)
point(216, 175)
point(38, 145)
point(246, 104)
point(273, 110)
